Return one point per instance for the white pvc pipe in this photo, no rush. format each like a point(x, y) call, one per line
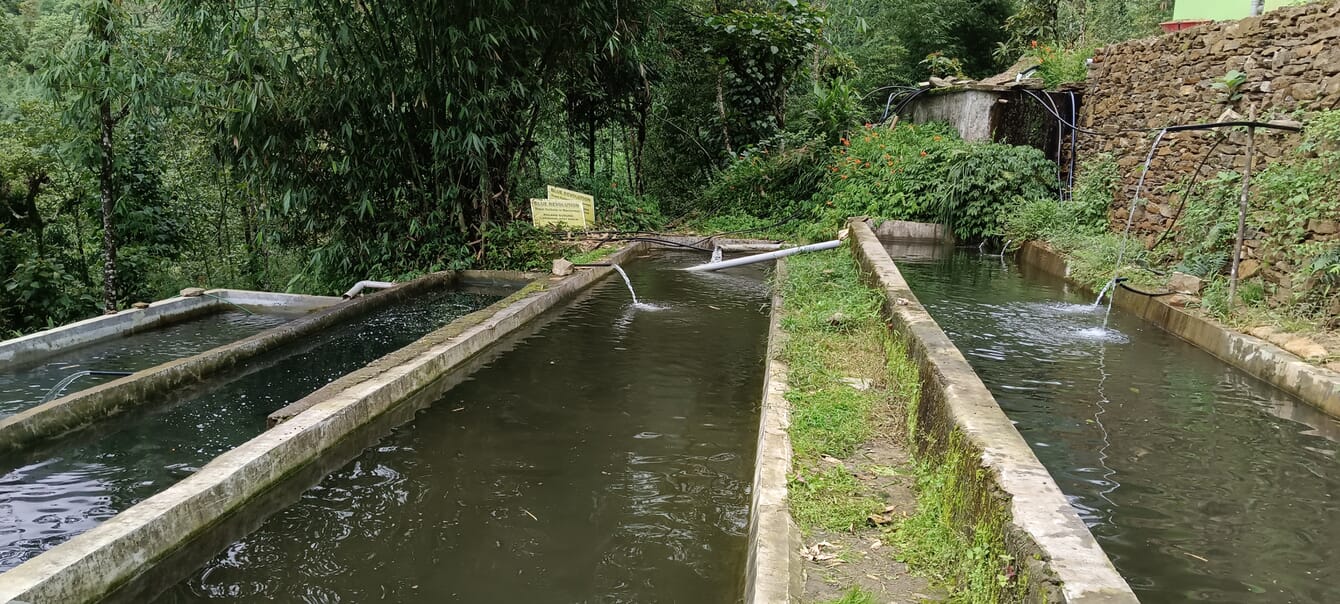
point(712, 266)
point(361, 285)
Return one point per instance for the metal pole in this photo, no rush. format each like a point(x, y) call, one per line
point(1242, 214)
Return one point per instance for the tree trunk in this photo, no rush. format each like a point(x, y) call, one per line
point(721, 111)
point(107, 184)
point(591, 148)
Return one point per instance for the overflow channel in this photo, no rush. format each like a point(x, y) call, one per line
point(1200, 482)
point(52, 493)
point(23, 385)
point(609, 456)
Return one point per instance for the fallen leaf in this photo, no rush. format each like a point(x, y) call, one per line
point(878, 519)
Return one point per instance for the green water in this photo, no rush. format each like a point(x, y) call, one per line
point(608, 457)
point(1200, 482)
point(49, 496)
point(24, 386)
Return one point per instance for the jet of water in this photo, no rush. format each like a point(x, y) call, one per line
point(716, 255)
point(626, 282)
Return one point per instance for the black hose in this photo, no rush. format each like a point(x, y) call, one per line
point(660, 241)
point(1179, 128)
point(1121, 282)
point(1074, 144)
point(774, 225)
point(1191, 187)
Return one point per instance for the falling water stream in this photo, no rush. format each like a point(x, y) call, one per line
point(626, 282)
point(608, 457)
point(1200, 482)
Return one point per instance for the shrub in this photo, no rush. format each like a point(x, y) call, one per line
point(927, 173)
point(41, 294)
point(770, 180)
point(1085, 213)
point(1058, 65)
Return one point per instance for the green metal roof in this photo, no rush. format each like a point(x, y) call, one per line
point(1220, 10)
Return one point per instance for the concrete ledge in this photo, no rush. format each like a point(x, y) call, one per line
point(902, 230)
point(956, 407)
point(37, 346)
point(774, 572)
point(71, 412)
point(95, 563)
point(281, 301)
point(1317, 386)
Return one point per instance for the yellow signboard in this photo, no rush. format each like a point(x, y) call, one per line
point(558, 212)
point(588, 202)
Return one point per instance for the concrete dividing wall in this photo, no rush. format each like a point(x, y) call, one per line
point(95, 563)
point(37, 346)
point(957, 417)
point(773, 570)
point(68, 413)
point(1317, 386)
point(902, 230)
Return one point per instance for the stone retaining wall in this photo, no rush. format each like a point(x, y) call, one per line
point(1291, 58)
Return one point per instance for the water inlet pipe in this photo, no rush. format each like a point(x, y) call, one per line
point(814, 247)
point(59, 388)
point(361, 285)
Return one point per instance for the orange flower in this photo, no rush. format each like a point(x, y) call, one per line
point(845, 142)
point(1033, 43)
point(936, 138)
point(923, 154)
point(844, 177)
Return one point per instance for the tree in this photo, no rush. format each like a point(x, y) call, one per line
point(390, 134)
point(100, 77)
point(967, 30)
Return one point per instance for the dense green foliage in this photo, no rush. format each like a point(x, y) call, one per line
point(150, 145)
point(1062, 34)
point(928, 174)
point(1286, 198)
point(908, 172)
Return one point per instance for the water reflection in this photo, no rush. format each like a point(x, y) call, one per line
point(49, 496)
point(606, 458)
point(24, 386)
point(1200, 482)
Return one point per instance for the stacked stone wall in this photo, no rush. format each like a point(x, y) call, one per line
point(1291, 58)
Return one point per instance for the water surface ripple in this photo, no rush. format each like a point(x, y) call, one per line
point(23, 386)
point(607, 458)
point(1200, 482)
point(49, 496)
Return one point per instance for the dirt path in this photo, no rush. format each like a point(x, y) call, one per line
point(864, 557)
